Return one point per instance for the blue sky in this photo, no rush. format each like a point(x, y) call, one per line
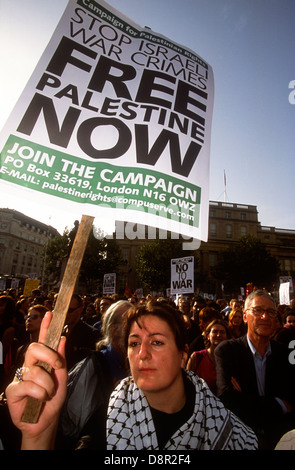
point(250, 46)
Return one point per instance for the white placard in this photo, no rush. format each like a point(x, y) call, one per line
point(115, 118)
point(182, 275)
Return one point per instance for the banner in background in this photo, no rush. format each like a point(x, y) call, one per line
point(115, 117)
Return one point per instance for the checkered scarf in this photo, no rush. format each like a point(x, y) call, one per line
point(211, 427)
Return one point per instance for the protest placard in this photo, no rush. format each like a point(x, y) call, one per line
point(182, 275)
point(30, 285)
point(109, 284)
point(289, 279)
point(284, 293)
point(116, 118)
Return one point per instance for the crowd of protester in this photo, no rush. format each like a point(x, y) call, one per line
point(94, 333)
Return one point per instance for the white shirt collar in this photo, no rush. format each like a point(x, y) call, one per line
point(254, 350)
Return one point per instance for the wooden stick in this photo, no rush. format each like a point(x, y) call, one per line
point(33, 406)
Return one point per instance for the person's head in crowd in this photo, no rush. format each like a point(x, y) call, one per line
point(290, 318)
point(206, 316)
point(104, 304)
point(216, 332)
point(74, 312)
point(155, 340)
point(7, 309)
point(185, 307)
point(133, 300)
point(235, 317)
point(111, 328)
point(261, 316)
point(34, 319)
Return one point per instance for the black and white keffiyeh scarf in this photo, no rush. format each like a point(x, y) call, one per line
point(211, 427)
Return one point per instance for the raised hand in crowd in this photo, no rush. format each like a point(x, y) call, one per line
point(32, 380)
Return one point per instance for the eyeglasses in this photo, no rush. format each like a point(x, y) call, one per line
point(34, 316)
point(71, 310)
point(259, 311)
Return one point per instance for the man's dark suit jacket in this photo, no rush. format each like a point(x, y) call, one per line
point(81, 342)
point(264, 414)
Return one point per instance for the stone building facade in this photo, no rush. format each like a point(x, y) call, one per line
point(22, 241)
point(228, 222)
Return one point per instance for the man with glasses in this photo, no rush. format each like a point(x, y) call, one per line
point(81, 337)
point(255, 379)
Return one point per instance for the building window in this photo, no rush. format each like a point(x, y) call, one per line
point(212, 260)
point(125, 254)
point(213, 229)
point(213, 213)
point(243, 230)
point(228, 231)
point(287, 265)
point(228, 215)
point(242, 216)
